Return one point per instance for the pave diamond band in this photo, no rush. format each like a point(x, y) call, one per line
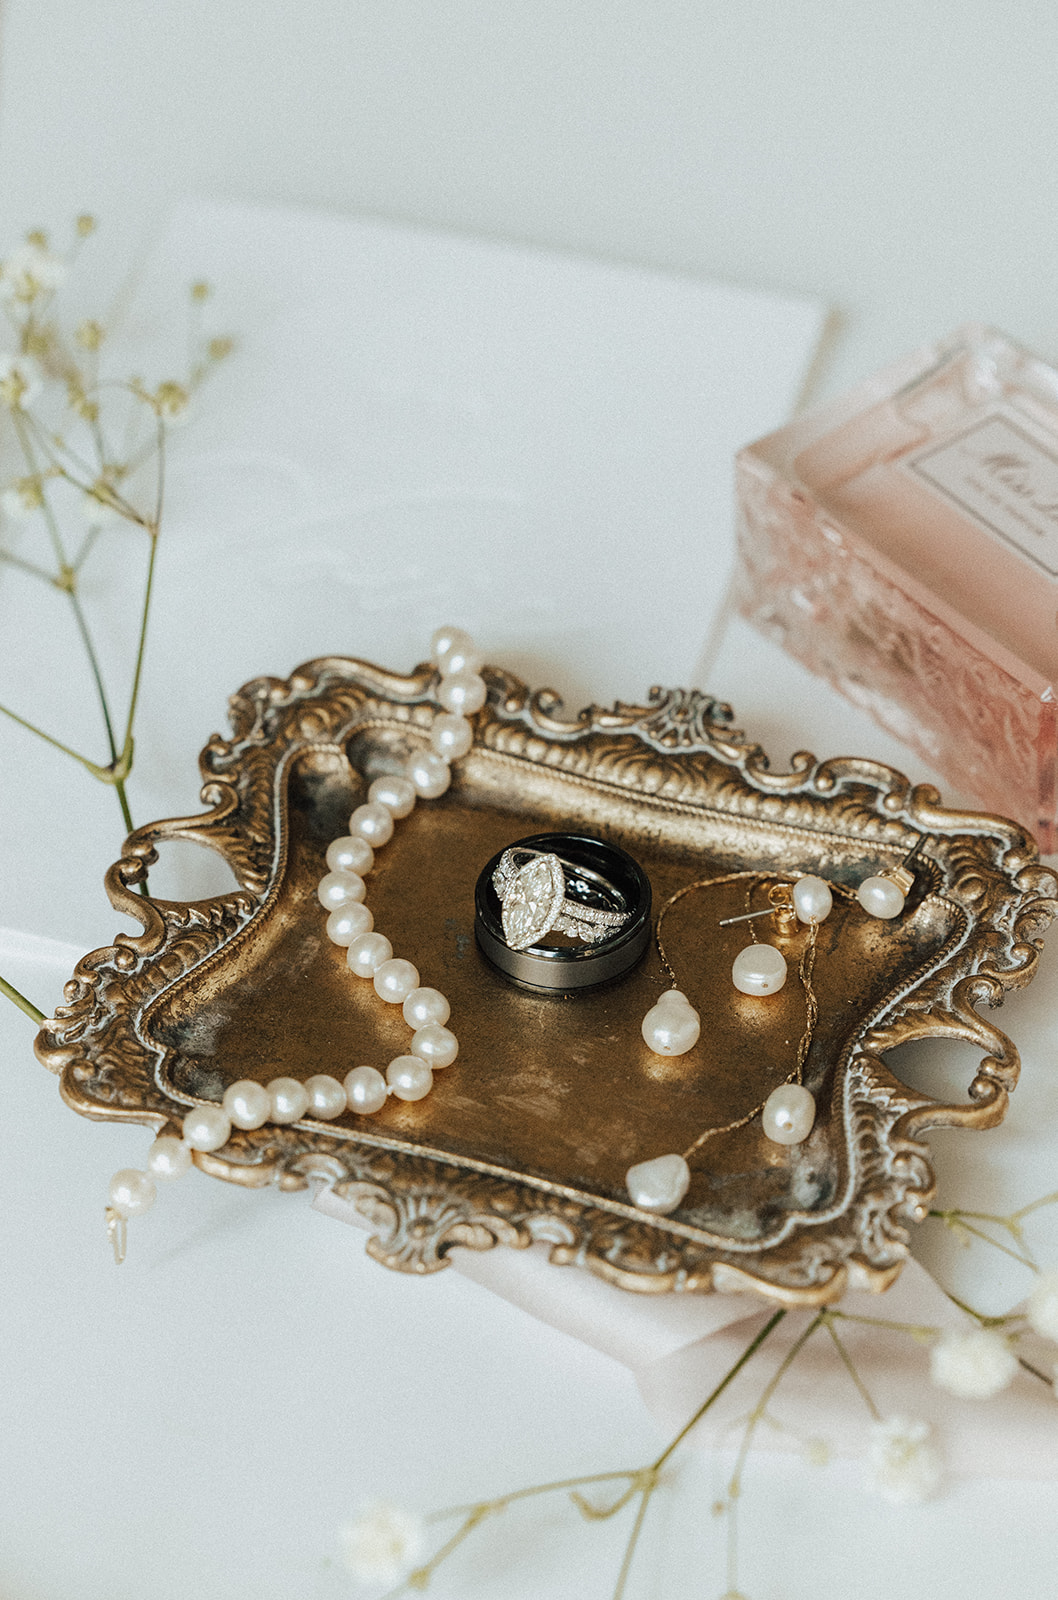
point(531, 887)
point(569, 883)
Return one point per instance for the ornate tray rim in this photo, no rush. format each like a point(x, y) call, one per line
point(679, 749)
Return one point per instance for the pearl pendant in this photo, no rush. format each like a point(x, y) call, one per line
point(789, 1114)
point(812, 899)
point(881, 897)
point(671, 1027)
point(658, 1185)
point(759, 969)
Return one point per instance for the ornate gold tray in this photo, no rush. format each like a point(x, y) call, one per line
point(529, 1135)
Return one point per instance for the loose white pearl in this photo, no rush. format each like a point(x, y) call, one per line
point(658, 1185)
point(812, 899)
point(426, 1005)
point(447, 639)
point(409, 1078)
point(437, 1046)
point(759, 969)
point(365, 1089)
point(463, 692)
point(348, 922)
point(289, 1098)
point(429, 773)
point(132, 1192)
point(881, 897)
point(168, 1157)
point(463, 659)
point(352, 853)
point(394, 980)
point(339, 889)
point(367, 952)
point(247, 1103)
point(671, 1028)
point(326, 1097)
point(451, 736)
point(373, 823)
point(395, 793)
point(207, 1128)
point(788, 1114)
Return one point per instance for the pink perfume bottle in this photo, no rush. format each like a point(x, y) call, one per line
point(903, 543)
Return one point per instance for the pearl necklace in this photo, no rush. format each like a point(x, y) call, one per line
point(369, 954)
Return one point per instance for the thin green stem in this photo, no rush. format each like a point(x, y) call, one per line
point(732, 1372)
point(917, 1330)
point(148, 588)
point(21, 1002)
point(633, 1540)
point(123, 802)
point(70, 586)
point(31, 727)
point(33, 570)
point(755, 1418)
point(537, 1488)
point(850, 1367)
point(997, 1244)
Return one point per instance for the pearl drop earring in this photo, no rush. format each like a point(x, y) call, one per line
point(672, 1026)
point(350, 925)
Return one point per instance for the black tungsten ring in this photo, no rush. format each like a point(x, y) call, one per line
point(570, 883)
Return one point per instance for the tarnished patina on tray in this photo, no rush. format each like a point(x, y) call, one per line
point(528, 1136)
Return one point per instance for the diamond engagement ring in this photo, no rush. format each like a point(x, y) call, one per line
point(570, 883)
point(531, 886)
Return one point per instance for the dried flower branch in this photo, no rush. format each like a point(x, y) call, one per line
point(57, 420)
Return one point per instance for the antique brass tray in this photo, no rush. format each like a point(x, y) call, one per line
point(528, 1136)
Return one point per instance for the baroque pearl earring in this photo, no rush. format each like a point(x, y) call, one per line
point(672, 1027)
point(342, 891)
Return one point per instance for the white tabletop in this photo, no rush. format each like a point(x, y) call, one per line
point(204, 1420)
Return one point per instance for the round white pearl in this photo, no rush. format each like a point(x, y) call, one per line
point(207, 1128)
point(351, 853)
point(409, 1077)
point(437, 1046)
point(168, 1157)
point(658, 1185)
point(289, 1098)
point(451, 736)
point(466, 658)
point(394, 980)
point(759, 969)
point(881, 897)
point(788, 1114)
point(340, 889)
point(373, 823)
point(447, 639)
point(429, 773)
point(367, 952)
point(326, 1097)
point(365, 1090)
point(395, 793)
point(348, 922)
point(671, 1028)
point(426, 1005)
point(462, 692)
point(812, 899)
point(247, 1103)
point(132, 1192)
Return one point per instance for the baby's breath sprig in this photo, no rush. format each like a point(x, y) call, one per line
point(61, 421)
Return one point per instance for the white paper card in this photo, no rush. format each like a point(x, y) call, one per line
point(415, 428)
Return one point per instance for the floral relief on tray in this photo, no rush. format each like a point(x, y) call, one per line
point(528, 1136)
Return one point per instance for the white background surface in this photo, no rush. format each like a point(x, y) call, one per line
point(199, 1431)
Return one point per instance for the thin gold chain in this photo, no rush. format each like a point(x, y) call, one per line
point(805, 971)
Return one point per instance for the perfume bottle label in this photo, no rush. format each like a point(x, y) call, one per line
point(1006, 480)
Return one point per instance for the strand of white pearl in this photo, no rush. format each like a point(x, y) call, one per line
point(247, 1104)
